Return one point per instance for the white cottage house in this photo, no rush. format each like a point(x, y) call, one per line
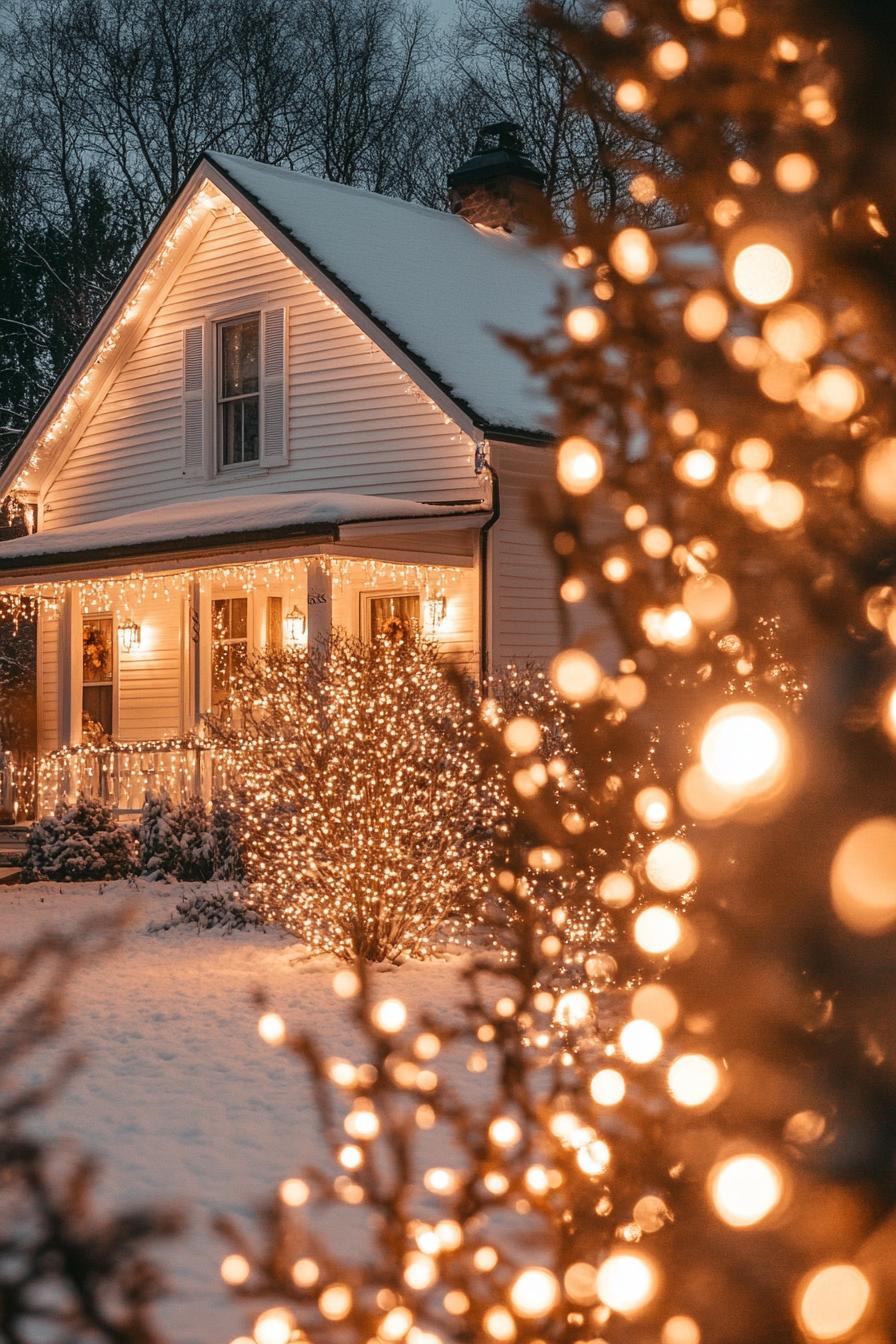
point(294, 413)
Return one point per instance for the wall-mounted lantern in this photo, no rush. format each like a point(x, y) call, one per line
point(129, 636)
point(436, 609)
point(294, 626)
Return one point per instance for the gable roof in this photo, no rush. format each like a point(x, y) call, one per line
point(442, 288)
point(434, 287)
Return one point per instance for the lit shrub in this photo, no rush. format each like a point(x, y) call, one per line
point(362, 800)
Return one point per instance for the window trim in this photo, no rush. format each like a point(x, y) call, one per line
point(218, 325)
point(368, 595)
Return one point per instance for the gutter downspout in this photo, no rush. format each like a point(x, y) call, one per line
point(483, 464)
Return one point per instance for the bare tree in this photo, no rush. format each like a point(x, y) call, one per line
point(367, 57)
point(507, 66)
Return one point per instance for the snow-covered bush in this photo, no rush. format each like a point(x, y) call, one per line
point(197, 843)
point(156, 837)
point(78, 843)
point(188, 842)
point(219, 908)
point(225, 822)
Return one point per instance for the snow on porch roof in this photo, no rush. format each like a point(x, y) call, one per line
point(194, 525)
point(443, 288)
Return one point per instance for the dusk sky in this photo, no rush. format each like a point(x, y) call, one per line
point(444, 10)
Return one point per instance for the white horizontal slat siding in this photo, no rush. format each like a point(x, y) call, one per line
point(149, 677)
point(47, 682)
point(526, 611)
point(354, 423)
point(457, 637)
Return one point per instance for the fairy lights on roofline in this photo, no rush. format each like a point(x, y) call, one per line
point(133, 590)
point(196, 209)
point(203, 202)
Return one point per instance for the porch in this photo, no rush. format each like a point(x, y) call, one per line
point(139, 639)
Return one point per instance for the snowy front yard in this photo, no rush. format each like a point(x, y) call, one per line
point(179, 1098)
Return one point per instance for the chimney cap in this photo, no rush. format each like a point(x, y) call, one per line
point(498, 153)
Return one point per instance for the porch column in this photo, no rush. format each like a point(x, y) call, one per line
point(70, 668)
point(194, 659)
point(320, 604)
point(199, 681)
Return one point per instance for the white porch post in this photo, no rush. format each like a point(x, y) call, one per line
point(200, 678)
point(193, 715)
point(320, 604)
point(70, 668)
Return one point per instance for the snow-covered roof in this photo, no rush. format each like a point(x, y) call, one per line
point(194, 524)
point(441, 287)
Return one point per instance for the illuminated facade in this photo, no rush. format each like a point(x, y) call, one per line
point(264, 437)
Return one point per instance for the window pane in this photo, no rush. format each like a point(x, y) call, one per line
point(394, 614)
point(274, 632)
point(220, 674)
point(238, 617)
point(221, 618)
point(238, 660)
point(96, 718)
point(97, 649)
point(239, 358)
point(239, 431)
point(230, 648)
point(250, 429)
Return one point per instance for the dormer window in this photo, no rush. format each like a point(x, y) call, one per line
point(238, 391)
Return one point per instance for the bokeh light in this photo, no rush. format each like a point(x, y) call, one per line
point(878, 481)
point(705, 315)
point(579, 465)
point(693, 1079)
point(585, 324)
point(762, 273)
point(745, 1189)
point(832, 1301)
point(641, 1041)
point(671, 865)
point(745, 749)
point(633, 255)
point(657, 930)
point(627, 1281)
point(796, 172)
point(608, 1087)
point(576, 676)
point(863, 877)
point(534, 1292)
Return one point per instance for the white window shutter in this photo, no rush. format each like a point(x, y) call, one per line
point(274, 435)
point(194, 402)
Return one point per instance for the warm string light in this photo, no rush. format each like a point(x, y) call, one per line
point(140, 588)
point(152, 275)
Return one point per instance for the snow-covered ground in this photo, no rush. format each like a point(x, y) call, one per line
point(179, 1098)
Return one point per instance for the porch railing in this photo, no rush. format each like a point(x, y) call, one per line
point(122, 773)
point(18, 775)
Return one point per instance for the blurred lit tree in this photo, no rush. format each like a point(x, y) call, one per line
point(726, 1167)
point(70, 1270)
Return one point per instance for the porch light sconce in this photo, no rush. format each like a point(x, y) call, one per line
point(436, 610)
point(294, 626)
point(129, 636)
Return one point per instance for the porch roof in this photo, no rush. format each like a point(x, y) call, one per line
point(192, 527)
